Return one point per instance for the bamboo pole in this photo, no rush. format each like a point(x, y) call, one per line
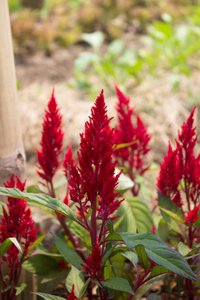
point(12, 156)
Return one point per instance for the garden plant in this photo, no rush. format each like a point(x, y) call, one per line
point(91, 253)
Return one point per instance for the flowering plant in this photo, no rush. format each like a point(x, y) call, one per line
point(92, 253)
point(179, 190)
point(17, 234)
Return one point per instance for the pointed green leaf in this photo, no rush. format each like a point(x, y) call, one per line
point(70, 255)
point(19, 288)
point(84, 288)
point(146, 286)
point(118, 284)
point(49, 297)
point(135, 212)
point(170, 212)
point(44, 200)
point(36, 243)
point(5, 246)
point(159, 252)
point(34, 189)
point(75, 278)
point(143, 256)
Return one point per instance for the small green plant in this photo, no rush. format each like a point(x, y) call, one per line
point(118, 64)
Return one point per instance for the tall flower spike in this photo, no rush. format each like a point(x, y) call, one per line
point(94, 179)
point(51, 142)
point(131, 157)
point(95, 159)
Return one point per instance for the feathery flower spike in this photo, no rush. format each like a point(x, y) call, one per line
point(133, 156)
point(51, 142)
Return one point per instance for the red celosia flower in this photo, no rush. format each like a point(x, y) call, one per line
point(170, 175)
point(51, 142)
point(72, 295)
point(131, 157)
point(179, 176)
point(192, 215)
point(16, 222)
point(95, 175)
point(93, 263)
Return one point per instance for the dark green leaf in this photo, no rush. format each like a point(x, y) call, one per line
point(157, 251)
point(44, 200)
point(160, 253)
point(108, 251)
point(118, 284)
point(143, 256)
point(49, 297)
point(70, 255)
point(84, 288)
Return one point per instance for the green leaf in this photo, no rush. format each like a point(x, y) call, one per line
point(158, 270)
point(95, 39)
point(147, 285)
point(1, 208)
point(170, 212)
point(49, 297)
point(183, 249)
point(157, 251)
point(41, 264)
point(142, 256)
point(5, 246)
point(36, 243)
point(44, 200)
point(84, 288)
point(75, 278)
point(34, 189)
point(19, 288)
point(135, 212)
point(118, 284)
point(114, 266)
point(119, 146)
point(108, 251)
point(70, 255)
point(130, 255)
point(125, 183)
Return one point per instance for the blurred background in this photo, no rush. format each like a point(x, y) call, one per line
point(149, 48)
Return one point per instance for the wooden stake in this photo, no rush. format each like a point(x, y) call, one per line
point(12, 157)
